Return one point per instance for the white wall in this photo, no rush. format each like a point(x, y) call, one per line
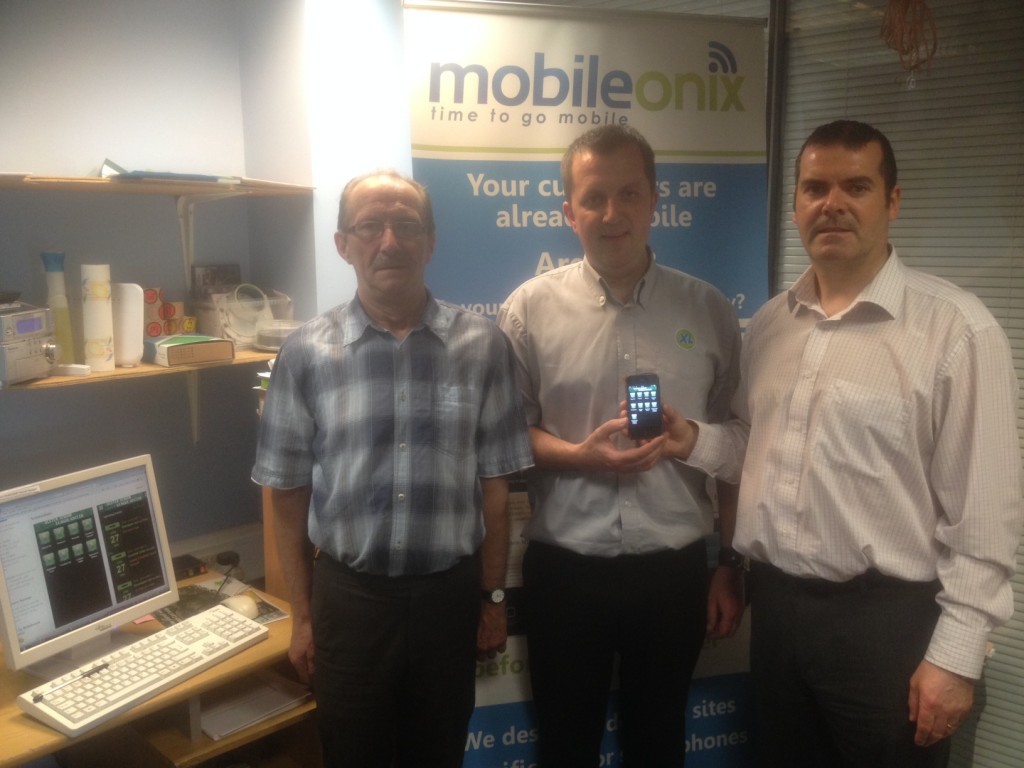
point(151, 85)
point(359, 116)
point(275, 113)
point(274, 95)
point(300, 91)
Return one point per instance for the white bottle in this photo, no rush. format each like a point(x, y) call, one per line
point(97, 317)
point(57, 299)
point(128, 323)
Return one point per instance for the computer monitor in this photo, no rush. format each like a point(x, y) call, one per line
point(80, 555)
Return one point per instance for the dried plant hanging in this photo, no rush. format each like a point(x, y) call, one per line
point(909, 29)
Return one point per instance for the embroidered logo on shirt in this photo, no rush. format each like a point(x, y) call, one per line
point(685, 339)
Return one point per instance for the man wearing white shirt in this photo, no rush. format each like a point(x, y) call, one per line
point(880, 502)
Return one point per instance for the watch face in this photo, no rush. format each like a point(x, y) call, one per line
point(497, 595)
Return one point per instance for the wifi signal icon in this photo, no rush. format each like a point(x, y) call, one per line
point(720, 58)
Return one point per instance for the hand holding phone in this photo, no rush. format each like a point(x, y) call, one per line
point(643, 406)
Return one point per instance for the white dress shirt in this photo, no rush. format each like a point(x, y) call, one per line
point(882, 437)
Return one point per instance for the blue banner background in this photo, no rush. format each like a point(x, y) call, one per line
point(495, 95)
point(717, 729)
point(477, 263)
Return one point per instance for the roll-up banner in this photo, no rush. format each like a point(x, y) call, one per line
point(497, 92)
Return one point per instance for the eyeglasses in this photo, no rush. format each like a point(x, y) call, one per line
point(368, 231)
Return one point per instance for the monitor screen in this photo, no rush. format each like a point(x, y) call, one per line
point(80, 555)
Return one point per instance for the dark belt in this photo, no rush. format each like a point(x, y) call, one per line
point(869, 580)
point(693, 555)
point(466, 565)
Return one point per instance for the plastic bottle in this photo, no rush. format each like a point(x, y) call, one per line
point(57, 299)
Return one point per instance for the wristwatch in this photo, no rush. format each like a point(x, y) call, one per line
point(493, 596)
point(730, 558)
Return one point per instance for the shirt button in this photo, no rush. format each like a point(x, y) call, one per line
point(401, 446)
point(625, 356)
point(401, 497)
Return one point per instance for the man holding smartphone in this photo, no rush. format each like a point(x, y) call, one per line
point(616, 564)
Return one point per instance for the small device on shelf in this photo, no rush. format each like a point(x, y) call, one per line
point(28, 348)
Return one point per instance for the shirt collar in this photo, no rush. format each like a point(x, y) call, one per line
point(599, 288)
point(437, 318)
point(885, 291)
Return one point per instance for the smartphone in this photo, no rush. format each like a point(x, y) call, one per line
point(643, 405)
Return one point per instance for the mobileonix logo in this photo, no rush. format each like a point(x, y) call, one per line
point(586, 85)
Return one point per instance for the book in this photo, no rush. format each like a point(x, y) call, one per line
point(183, 349)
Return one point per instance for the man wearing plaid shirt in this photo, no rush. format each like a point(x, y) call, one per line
point(390, 426)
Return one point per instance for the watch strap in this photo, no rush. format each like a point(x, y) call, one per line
point(730, 558)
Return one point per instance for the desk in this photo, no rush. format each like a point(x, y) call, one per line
point(163, 722)
point(273, 575)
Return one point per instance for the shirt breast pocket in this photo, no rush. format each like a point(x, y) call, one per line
point(862, 430)
point(454, 420)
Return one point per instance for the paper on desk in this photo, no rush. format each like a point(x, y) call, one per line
point(196, 597)
point(247, 702)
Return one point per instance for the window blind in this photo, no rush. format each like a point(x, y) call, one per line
point(958, 134)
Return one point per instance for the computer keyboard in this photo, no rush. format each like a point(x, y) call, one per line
point(104, 688)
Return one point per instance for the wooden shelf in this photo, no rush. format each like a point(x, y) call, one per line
point(186, 192)
point(142, 370)
point(147, 370)
point(229, 187)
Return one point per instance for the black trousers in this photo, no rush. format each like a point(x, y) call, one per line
point(395, 665)
point(581, 612)
point(831, 665)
